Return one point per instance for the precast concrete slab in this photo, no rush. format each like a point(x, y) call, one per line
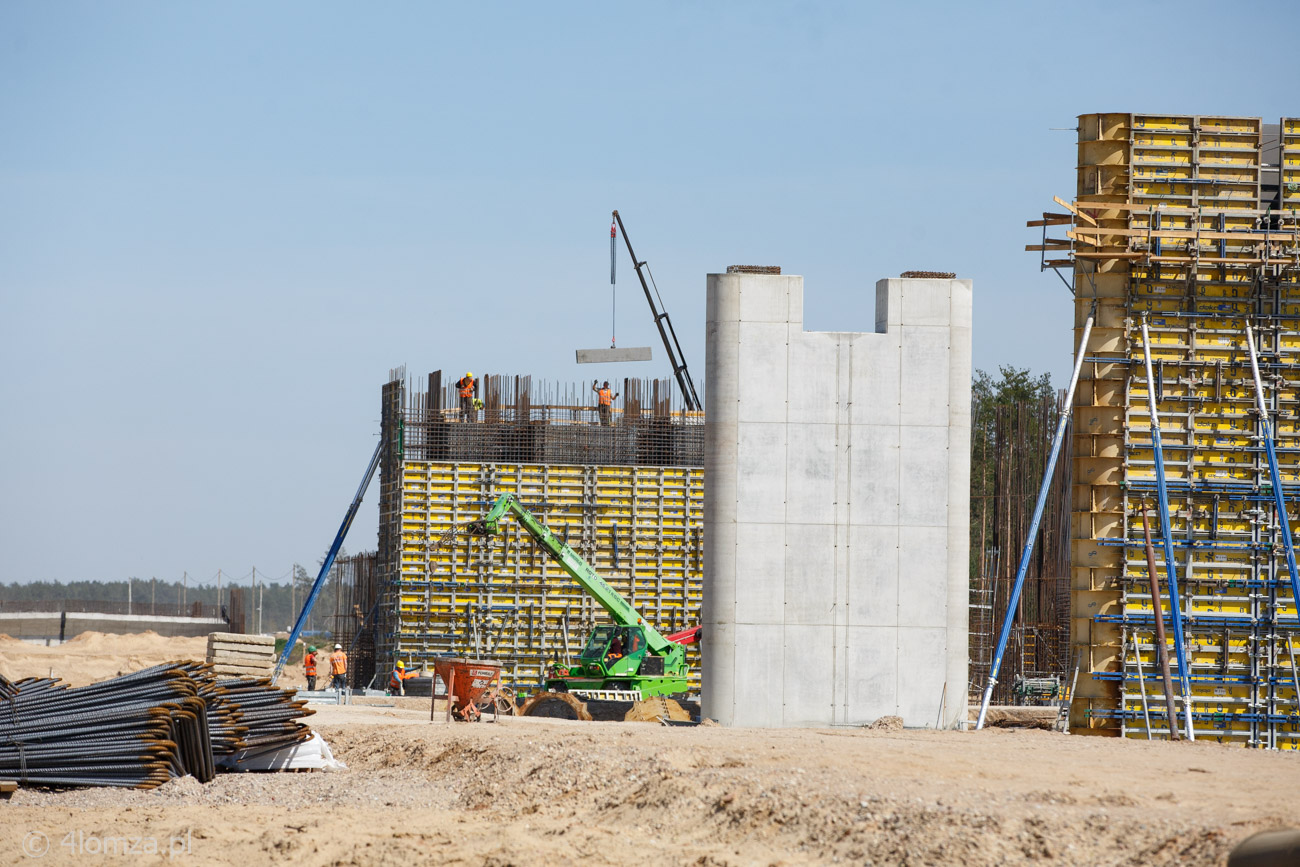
point(836, 507)
point(612, 355)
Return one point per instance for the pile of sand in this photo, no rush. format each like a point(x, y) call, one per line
point(95, 656)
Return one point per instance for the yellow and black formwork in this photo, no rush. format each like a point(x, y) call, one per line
point(451, 593)
point(1189, 222)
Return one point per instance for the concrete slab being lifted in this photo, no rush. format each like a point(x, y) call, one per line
point(605, 356)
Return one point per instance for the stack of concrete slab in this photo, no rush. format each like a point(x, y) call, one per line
point(234, 655)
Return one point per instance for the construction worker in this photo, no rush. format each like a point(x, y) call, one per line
point(309, 666)
point(465, 388)
point(338, 668)
point(395, 680)
point(605, 401)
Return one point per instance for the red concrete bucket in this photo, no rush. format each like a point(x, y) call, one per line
point(466, 682)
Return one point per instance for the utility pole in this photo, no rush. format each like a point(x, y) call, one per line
point(129, 582)
point(185, 589)
point(293, 591)
point(218, 593)
point(153, 595)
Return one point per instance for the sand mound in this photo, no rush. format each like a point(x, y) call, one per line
point(94, 656)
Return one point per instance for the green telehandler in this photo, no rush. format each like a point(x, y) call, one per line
point(626, 660)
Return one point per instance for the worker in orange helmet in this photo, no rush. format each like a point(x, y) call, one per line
point(465, 390)
point(605, 397)
point(309, 666)
point(338, 668)
point(397, 678)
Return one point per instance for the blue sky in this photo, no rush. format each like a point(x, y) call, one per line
point(222, 224)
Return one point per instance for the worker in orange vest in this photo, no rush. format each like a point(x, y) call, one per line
point(338, 668)
point(465, 389)
point(309, 666)
point(395, 680)
point(605, 397)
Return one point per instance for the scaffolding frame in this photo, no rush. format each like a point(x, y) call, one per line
point(1177, 219)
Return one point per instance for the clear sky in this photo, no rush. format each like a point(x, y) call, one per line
point(221, 224)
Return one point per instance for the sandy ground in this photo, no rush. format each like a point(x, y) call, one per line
point(531, 791)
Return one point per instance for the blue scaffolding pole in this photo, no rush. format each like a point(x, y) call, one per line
point(1283, 520)
point(1171, 570)
point(1043, 489)
point(329, 561)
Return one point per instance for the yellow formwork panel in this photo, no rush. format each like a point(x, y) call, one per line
point(1198, 174)
point(1144, 124)
point(640, 527)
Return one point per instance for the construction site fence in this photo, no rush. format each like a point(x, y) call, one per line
point(139, 609)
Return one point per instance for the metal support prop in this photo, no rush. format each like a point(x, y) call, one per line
point(1171, 570)
point(1142, 684)
point(1157, 608)
point(1279, 500)
point(329, 562)
point(1018, 585)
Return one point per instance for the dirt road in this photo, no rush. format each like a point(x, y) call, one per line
point(549, 792)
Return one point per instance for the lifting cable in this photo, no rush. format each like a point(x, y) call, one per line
point(613, 270)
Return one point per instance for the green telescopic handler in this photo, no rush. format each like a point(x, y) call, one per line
point(626, 660)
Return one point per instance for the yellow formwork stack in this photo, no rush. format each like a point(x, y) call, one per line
point(1170, 227)
point(1290, 162)
point(640, 527)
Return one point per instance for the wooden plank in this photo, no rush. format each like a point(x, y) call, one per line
point(242, 662)
point(1277, 235)
point(264, 649)
point(240, 658)
point(1052, 220)
point(1073, 210)
point(1059, 263)
point(239, 649)
point(240, 638)
point(239, 671)
point(1180, 209)
point(7, 788)
point(1109, 255)
point(1090, 240)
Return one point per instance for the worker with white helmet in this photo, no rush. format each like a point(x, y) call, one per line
point(338, 668)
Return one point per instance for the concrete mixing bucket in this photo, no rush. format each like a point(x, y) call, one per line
point(467, 679)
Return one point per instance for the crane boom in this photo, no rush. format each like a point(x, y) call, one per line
point(579, 569)
point(676, 357)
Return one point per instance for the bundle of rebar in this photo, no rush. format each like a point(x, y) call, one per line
point(265, 716)
point(139, 730)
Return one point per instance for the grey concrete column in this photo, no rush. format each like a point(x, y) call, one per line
point(718, 614)
point(959, 433)
point(836, 507)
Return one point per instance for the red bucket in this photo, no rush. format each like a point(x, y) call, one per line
point(467, 680)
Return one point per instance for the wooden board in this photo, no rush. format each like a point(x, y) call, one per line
point(240, 659)
point(241, 650)
point(239, 638)
point(239, 671)
point(7, 788)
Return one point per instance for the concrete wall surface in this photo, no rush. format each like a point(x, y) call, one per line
point(836, 507)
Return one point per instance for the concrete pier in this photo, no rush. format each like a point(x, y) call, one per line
point(837, 469)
